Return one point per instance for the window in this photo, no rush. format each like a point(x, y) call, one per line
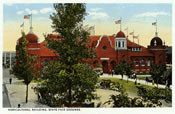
point(149, 62)
point(119, 44)
point(123, 44)
point(143, 62)
point(137, 62)
point(104, 47)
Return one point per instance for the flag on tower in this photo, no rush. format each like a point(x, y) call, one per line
point(118, 22)
point(27, 16)
point(126, 29)
point(154, 24)
point(131, 33)
point(91, 28)
point(22, 24)
point(136, 36)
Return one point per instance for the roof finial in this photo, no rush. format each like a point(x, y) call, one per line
point(156, 34)
point(31, 28)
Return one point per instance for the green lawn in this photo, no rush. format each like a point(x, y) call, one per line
point(130, 86)
point(141, 78)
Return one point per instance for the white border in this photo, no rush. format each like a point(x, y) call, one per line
point(93, 110)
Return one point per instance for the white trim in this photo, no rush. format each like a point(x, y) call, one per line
point(104, 58)
point(101, 39)
point(33, 48)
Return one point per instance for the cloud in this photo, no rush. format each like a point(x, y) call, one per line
point(153, 14)
point(95, 9)
point(46, 10)
point(19, 12)
point(98, 15)
point(8, 4)
point(31, 11)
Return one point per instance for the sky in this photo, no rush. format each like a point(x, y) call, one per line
point(136, 16)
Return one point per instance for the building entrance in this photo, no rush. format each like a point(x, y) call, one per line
point(105, 67)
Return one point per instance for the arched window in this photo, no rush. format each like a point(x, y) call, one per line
point(143, 62)
point(137, 62)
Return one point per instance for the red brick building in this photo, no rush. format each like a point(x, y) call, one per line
point(109, 50)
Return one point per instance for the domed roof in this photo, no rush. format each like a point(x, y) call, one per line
point(31, 37)
point(120, 34)
point(156, 41)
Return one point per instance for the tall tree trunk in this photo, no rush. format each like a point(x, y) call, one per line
point(26, 93)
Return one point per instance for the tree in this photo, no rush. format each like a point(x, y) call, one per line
point(123, 69)
point(123, 100)
point(119, 69)
point(24, 69)
point(128, 70)
point(156, 71)
point(69, 81)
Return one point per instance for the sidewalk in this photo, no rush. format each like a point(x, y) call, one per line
point(133, 80)
point(17, 93)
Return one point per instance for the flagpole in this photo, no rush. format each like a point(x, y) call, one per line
point(156, 26)
point(133, 36)
point(31, 21)
point(23, 25)
point(120, 23)
point(94, 30)
point(127, 31)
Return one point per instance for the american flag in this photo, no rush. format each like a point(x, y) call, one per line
point(91, 28)
point(118, 22)
point(131, 33)
point(126, 28)
point(154, 24)
point(27, 16)
point(22, 24)
point(136, 36)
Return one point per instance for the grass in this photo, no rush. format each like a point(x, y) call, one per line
point(129, 86)
point(141, 78)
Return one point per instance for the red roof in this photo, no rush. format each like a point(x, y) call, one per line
point(132, 44)
point(32, 37)
point(120, 34)
point(44, 51)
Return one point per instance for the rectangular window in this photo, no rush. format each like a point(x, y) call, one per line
point(149, 63)
point(143, 62)
point(137, 62)
point(123, 44)
point(118, 44)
